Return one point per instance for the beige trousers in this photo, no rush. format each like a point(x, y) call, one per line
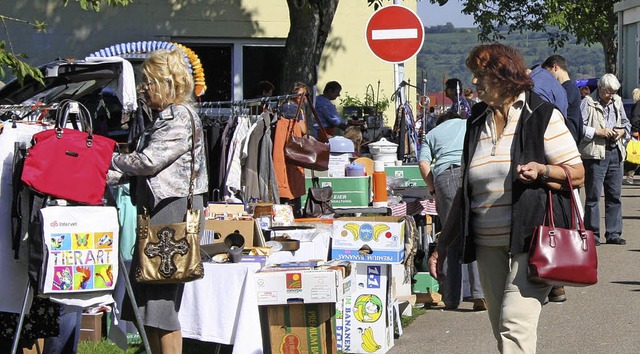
point(514, 303)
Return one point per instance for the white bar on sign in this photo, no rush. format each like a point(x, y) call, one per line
point(404, 33)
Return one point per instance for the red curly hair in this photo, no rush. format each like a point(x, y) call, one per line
point(502, 67)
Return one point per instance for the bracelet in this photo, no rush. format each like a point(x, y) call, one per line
point(545, 176)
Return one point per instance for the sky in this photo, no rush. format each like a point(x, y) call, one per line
point(434, 14)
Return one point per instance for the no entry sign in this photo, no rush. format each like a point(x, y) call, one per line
point(395, 34)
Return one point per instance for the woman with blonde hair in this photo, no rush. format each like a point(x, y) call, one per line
point(162, 165)
point(630, 168)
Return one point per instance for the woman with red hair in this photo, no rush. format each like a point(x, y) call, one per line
point(514, 146)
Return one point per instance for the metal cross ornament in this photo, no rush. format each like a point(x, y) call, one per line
point(166, 249)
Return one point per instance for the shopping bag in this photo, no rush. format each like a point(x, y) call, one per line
point(80, 252)
point(633, 152)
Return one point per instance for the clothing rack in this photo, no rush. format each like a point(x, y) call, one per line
point(247, 102)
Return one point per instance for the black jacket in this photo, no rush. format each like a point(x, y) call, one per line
point(529, 201)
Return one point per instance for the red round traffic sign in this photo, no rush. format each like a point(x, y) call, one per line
point(395, 34)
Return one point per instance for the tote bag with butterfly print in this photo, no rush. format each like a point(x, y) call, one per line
point(80, 249)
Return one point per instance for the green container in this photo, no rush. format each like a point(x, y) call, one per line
point(412, 173)
point(423, 282)
point(348, 192)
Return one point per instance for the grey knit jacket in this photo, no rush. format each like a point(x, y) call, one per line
point(163, 156)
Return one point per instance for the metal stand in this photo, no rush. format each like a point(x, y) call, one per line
point(23, 313)
point(134, 304)
point(123, 274)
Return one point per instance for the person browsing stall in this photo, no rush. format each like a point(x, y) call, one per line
point(161, 164)
point(439, 163)
point(606, 129)
point(327, 112)
point(514, 144)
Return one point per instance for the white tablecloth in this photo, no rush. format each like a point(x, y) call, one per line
point(222, 307)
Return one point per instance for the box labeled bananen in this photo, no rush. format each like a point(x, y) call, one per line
point(364, 319)
point(372, 239)
point(302, 328)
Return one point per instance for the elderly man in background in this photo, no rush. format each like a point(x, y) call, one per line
point(606, 129)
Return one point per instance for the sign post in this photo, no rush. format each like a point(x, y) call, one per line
point(395, 34)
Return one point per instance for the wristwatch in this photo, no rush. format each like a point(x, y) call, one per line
point(545, 176)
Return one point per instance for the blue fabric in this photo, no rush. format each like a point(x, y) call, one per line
point(327, 113)
point(445, 143)
point(573, 119)
point(606, 173)
point(548, 87)
point(67, 341)
point(463, 108)
point(127, 216)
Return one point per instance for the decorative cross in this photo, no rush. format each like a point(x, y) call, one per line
point(166, 249)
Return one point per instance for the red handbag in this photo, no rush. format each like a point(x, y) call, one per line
point(67, 163)
point(563, 257)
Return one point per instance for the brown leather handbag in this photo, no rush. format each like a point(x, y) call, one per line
point(318, 200)
point(563, 257)
point(171, 253)
point(306, 151)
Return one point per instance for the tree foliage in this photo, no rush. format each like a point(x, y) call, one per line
point(9, 59)
point(589, 22)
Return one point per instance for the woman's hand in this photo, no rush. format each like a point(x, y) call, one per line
point(529, 172)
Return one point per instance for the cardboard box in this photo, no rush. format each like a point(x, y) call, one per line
point(214, 208)
point(348, 192)
point(364, 319)
point(222, 228)
point(314, 244)
point(91, 327)
point(383, 235)
point(302, 328)
point(423, 282)
point(283, 285)
point(411, 173)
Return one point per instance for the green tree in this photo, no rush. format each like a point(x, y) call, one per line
point(590, 22)
point(9, 59)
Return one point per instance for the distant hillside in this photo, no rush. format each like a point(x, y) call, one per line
point(445, 53)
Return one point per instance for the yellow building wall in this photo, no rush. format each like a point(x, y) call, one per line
point(72, 32)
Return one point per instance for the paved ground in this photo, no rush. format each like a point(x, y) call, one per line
point(604, 318)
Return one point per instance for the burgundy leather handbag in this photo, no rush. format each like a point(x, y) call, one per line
point(563, 257)
point(306, 151)
point(67, 163)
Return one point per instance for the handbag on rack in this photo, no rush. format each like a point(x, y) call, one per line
point(318, 200)
point(68, 163)
point(563, 257)
point(171, 253)
point(633, 152)
point(306, 151)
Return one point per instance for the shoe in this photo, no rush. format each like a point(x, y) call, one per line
point(557, 294)
point(617, 241)
point(451, 307)
point(479, 305)
point(629, 179)
point(597, 242)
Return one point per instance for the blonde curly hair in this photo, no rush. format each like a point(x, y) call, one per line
point(167, 76)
